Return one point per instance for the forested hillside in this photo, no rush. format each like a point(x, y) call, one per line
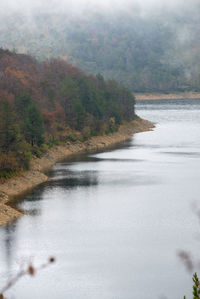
point(152, 51)
point(44, 103)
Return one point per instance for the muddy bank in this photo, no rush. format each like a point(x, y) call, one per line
point(35, 176)
point(163, 96)
point(16, 186)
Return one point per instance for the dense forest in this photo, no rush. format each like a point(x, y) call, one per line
point(145, 51)
point(44, 103)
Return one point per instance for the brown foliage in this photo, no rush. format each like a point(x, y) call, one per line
point(8, 162)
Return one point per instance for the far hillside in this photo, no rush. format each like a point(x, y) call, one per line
point(147, 51)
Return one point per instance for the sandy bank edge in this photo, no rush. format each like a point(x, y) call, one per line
point(163, 96)
point(35, 176)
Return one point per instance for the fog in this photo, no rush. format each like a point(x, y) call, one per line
point(77, 8)
point(27, 6)
point(148, 33)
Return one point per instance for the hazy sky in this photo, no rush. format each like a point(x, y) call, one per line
point(77, 4)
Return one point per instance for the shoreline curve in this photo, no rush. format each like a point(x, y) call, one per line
point(28, 180)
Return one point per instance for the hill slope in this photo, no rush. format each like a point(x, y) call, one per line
point(44, 103)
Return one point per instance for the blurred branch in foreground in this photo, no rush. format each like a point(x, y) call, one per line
point(29, 270)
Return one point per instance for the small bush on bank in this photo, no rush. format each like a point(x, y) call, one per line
point(71, 137)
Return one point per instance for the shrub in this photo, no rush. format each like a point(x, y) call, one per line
point(72, 137)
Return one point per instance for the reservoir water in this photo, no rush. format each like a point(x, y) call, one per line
point(115, 221)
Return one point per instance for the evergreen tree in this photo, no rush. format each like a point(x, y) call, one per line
point(9, 130)
point(70, 97)
point(33, 125)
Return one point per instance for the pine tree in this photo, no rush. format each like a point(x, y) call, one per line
point(9, 130)
point(32, 122)
point(196, 287)
point(33, 125)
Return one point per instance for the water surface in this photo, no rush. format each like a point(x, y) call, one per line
point(115, 220)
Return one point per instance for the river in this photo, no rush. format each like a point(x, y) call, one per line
point(116, 220)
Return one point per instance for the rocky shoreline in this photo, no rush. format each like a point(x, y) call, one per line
point(35, 176)
point(164, 96)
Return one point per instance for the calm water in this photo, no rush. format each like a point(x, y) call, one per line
point(115, 220)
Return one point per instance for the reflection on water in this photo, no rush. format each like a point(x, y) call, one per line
point(114, 220)
point(177, 153)
point(73, 179)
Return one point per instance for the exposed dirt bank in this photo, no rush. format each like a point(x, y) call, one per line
point(170, 96)
point(35, 176)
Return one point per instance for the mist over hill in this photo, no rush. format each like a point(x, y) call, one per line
point(146, 45)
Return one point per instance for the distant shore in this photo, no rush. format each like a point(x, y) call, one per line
point(164, 96)
point(30, 179)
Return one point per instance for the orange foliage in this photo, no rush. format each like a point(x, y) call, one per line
point(5, 95)
point(59, 113)
point(16, 73)
point(48, 116)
